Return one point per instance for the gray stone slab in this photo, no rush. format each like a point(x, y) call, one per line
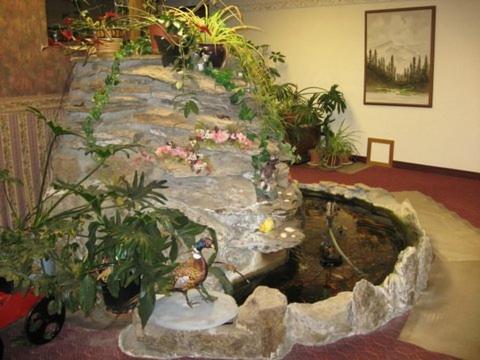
point(173, 312)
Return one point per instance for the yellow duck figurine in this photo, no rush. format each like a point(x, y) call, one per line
point(267, 225)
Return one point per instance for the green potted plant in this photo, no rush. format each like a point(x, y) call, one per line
point(338, 147)
point(216, 33)
point(115, 237)
point(307, 113)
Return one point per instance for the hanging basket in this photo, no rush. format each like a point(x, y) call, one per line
point(108, 43)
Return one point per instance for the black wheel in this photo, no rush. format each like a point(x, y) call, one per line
point(1, 349)
point(43, 323)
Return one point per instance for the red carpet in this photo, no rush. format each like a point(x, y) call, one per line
point(457, 194)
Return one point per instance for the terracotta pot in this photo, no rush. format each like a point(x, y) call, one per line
point(217, 54)
point(345, 159)
point(333, 161)
point(157, 32)
point(315, 156)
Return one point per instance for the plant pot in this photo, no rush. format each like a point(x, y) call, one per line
point(303, 138)
point(217, 54)
point(157, 31)
point(315, 157)
point(125, 301)
point(107, 47)
point(332, 161)
point(345, 159)
point(164, 44)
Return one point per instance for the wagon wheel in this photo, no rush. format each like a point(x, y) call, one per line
point(43, 323)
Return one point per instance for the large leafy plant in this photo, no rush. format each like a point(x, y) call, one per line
point(95, 235)
point(311, 107)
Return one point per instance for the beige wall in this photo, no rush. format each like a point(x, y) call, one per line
point(325, 45)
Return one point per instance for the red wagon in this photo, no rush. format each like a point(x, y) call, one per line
point(41, 324)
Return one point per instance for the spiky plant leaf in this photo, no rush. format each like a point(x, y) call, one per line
point(88, 292)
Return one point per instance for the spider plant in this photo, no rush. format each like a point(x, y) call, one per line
point(338, 146)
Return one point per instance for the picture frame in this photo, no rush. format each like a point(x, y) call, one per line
point(387, 142)
point(399, 56)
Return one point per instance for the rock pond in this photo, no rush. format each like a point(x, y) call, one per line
point(225, 198)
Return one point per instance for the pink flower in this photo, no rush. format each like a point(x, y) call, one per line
point(198, 166)
point(166, 149)
point(179, 152)
point(200, 134)
point(220, 136)
point(242, 139)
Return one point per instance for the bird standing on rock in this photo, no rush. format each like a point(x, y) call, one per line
point(192, 273)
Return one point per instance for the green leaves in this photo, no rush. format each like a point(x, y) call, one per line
point(332, 100)
point(137, 191)
point(55, 127)
point(88, 293)
point(277, 57)
point(104, 152)
point(146, 304)
point(237, 97)
point(246, 112)
point(222, 77)
point(189, 107)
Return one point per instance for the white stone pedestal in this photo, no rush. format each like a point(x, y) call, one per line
point(173, 312)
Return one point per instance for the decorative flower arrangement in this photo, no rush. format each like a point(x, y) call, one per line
point(109, 25)
point(217, 136)
point(188, 154)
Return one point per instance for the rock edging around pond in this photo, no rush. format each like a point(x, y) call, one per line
point(267, 327)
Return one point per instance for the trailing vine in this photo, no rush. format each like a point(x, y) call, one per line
point(101, 97)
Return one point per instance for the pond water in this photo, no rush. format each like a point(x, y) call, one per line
point(370, 238)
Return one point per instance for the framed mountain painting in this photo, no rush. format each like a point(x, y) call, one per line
point(399, 47)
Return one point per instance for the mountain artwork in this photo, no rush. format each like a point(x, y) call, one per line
point(399, 46)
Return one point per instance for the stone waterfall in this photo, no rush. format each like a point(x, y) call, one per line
point(141, 109)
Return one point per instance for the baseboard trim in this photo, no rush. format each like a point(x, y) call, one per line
point(428, 168)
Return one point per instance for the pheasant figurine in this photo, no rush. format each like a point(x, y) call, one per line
point(192, 273)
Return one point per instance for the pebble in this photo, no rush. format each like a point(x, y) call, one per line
point(283, 235)
point(289, 229)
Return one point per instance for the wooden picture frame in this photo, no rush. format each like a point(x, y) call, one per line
point(391, 144)
point(399, 56)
